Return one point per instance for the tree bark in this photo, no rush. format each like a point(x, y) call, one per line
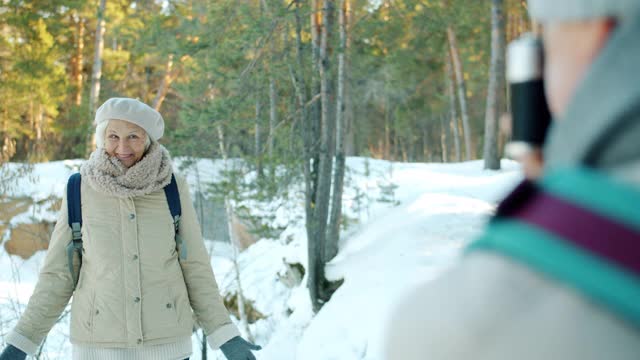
point(315, 266)
point(258, 134)
point(273, 113)
point(333, 237)
point(453, 109)
point(40, 146)
point(495, 91)
point(387, 130)
point(78, 60)
point(273, 97)
point(327, 129)
point(349, 131)
point(96, 73)
point(462, 91)
point(167, 79)
point(401, 151)
point(313, 114)
point(426, 152)
point(443, 140)
point(349, 137)
point(8, 144)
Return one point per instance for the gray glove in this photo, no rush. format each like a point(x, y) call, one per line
point(237, 349)
point(12, 353)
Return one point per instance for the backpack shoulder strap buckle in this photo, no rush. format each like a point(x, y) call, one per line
point(173, 199)
point(76, 232)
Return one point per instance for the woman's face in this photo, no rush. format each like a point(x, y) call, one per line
point(126, 141)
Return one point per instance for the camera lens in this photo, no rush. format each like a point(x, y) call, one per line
point(529, 109)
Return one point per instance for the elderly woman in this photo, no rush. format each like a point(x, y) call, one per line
point(136, 293)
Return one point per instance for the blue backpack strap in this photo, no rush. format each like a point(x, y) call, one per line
point(74, 212)
point(173, 198)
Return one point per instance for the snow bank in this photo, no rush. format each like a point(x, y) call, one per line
point(408, 224)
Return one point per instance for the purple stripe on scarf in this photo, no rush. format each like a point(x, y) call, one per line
point(604, 237)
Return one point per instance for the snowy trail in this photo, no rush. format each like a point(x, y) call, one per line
point(440, 208)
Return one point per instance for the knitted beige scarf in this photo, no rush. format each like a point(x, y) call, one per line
point(108, 175)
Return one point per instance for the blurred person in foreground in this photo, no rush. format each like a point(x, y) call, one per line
point(137, 286)
point(556, 274)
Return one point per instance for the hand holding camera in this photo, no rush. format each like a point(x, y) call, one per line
point(530, 114)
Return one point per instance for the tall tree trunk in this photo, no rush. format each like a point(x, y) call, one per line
point(349, 132)
point(350, 135)
point(314, 113)
point(273, 97)
point(165, 85)
point(315, 266)
point(333, 237)
point(387, 130)
point(462, 91)
point(258, 134)
point(495, 91)
point(453, 109)
point(327, 129)
point(96, 73)
point(443, 140)
point(221, 144)
point(273, 112)
point(78, 60)
point(8, 144)
point(401, 151)
point(30, 146)
point(258, 147)
point(328, 125)
point(39, 124)
point(451, 133)
point(426, 152)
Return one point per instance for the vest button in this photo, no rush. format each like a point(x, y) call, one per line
point(137, 299)
point(132, 216)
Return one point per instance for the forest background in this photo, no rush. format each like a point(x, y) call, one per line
point(290, 87)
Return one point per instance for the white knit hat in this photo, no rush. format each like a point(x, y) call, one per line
point(133, 111)
point(568, 10)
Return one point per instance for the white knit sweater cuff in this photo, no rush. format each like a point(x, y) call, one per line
point(21, 342)
point(222, 335)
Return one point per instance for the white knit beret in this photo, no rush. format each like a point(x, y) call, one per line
point(571, 10)
point(133, 111)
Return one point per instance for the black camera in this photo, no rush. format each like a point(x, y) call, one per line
point(530, 114)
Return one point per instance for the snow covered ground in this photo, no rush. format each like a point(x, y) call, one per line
point(409, 223)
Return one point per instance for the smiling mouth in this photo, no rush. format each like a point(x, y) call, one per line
point(124, 157)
